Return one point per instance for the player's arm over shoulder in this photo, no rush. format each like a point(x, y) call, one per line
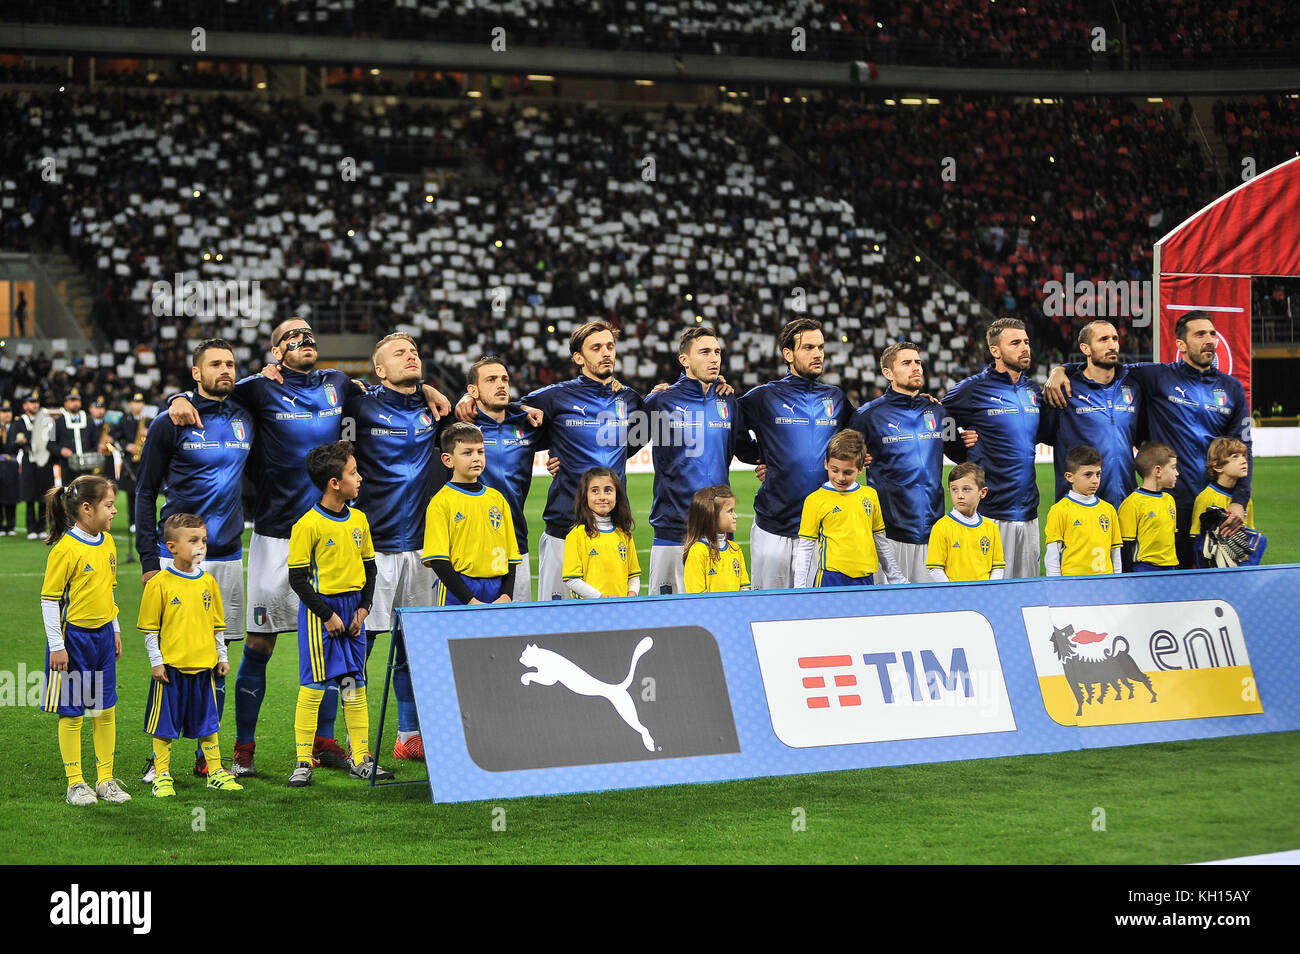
point(252, 391)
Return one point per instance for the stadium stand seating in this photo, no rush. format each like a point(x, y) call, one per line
point(838, 198)
point(1041, 189)
point(1026, 34)
point(727, 219)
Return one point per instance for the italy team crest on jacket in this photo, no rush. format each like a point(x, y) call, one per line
point(930, 420)
point(238, 427)
point(331, 395)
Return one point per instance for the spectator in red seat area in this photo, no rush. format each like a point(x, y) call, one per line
point(1084, 186)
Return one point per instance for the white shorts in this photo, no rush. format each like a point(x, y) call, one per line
point(524, 580)
point(272, 603)
point(550, 569)
point(773, 559)
point(229, 575)
point(1021, 548)
point(400, 580)
point(666, 569)
point(910, 558)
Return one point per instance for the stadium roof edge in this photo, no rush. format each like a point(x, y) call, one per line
point(287, 48)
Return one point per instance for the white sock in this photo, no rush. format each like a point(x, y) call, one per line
point(406, 736)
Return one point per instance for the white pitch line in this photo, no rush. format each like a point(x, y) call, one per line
point(1272, 858)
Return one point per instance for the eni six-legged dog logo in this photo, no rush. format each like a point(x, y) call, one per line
point(1113, 668)
point(1190, 657)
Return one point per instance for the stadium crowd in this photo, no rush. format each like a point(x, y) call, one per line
point(1036, 189)
point(1263, 128)
point(643, 218)
point(726, 219)
point(1027, 34)
point(1077, 193)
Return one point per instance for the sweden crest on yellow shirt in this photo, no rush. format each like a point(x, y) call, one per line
point(622, 550)
point(494, 517)
point(985, 544)
point(207, 598)
point(1104, 521)
point(357, 537)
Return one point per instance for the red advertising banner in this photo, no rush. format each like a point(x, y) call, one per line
point(1227, 300)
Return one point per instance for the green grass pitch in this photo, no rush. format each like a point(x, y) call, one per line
point(1167, 803)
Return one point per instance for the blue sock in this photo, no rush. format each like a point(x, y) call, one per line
point(329, 711)
point(407, 720)
point(220, 683)
point(250, 687)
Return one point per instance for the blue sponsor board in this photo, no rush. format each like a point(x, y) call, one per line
point(586, 695)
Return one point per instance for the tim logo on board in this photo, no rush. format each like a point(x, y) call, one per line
point(882, 678)
point(1141, 662)
point(530, 702)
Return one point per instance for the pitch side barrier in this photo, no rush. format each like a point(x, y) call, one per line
point(572, 696)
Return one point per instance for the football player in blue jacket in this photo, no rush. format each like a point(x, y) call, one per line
point(696, 436)
point(903, 430)
point(1004, 406)
point(1103, 413)
point(589, 425)
point(1188, 402)
point(792, 421)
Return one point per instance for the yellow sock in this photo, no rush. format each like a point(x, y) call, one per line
point(211, 751)
point(104, 731)
point(305, 719)
point(356, 715)
point(70, 748)
point(162, 755)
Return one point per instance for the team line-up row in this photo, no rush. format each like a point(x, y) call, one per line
point(815, 523)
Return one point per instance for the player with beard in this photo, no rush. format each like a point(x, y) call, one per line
point(588, 426)
point(1188, 403)
point(793, 420)
point(510, 439)
point(903, 433)
point(1004, 405)
point(695, 439)
point(301, 410)
point(195, 469)
point(1103, 413)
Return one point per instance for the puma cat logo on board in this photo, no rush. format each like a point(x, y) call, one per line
point(550, 667)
